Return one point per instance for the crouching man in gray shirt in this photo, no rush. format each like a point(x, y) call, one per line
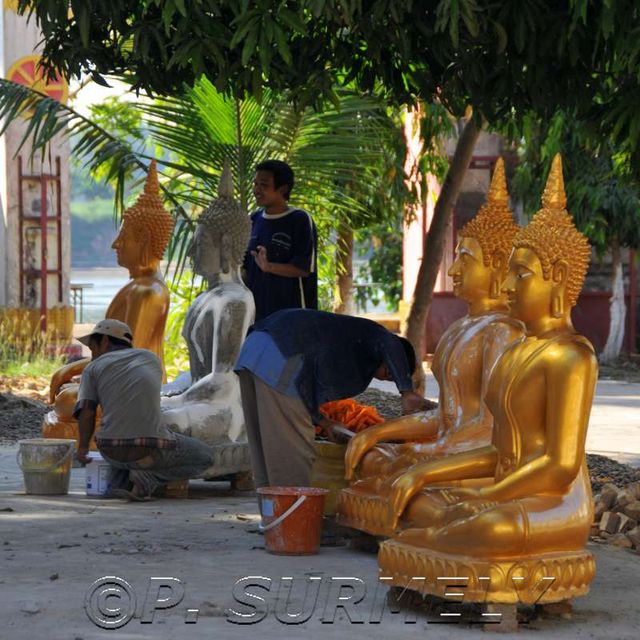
point(126, 383)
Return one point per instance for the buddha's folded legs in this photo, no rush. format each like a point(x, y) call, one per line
point(490, 533)
point(440, 521)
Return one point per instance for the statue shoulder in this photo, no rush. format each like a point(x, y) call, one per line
point(568, 351)
point(504, 326)
point(150, 288)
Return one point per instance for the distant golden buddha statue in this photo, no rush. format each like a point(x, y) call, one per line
point(143, 303)
point(463, 360)
point(531, 523)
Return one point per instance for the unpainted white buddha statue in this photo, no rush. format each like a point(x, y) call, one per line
point(206, 402)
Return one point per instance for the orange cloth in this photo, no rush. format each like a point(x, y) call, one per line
point(352, 415)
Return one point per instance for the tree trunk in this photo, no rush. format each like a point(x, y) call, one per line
point(435, 239)
point(343, 299)
point(617, 309)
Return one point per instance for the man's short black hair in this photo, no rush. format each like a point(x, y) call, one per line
point(282, 174)
point(410, 353)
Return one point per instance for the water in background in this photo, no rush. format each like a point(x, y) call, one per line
point(106, 283)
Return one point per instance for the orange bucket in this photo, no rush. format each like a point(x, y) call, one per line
point(292, 519)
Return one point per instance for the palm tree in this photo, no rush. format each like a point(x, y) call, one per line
point(352, 144)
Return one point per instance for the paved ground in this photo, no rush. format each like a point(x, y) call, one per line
point(54, 548)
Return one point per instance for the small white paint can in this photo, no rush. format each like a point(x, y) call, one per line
point(97, 475)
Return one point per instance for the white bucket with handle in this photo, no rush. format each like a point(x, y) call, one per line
point(46, 464)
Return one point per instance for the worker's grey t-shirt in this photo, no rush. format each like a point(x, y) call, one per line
point(126, 384)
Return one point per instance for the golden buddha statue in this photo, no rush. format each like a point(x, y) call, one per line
point(531, 523)
point(143, 303)
point(463, 360)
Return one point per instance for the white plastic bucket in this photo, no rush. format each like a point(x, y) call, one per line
point(97, 475)
point(46, 464)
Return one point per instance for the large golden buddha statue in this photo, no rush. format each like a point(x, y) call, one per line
point(463, 360)
point(520, 538)
point(143, 303)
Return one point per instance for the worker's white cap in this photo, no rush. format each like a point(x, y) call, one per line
point(113, 328)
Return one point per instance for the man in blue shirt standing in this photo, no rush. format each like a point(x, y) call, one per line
point(294, 361)
point(280, 264)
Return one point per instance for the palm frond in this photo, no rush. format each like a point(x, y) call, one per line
point(335, 154)
point(47, 118)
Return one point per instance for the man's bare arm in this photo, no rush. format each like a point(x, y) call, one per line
point(86, 427)
point(287, 270)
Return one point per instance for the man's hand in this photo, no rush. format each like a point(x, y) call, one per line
point(283, 269)
point(339, 434)
point(82, 455)
point(261, 258)
point(413, 402)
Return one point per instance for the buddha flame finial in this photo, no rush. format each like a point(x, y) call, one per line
point(554, 196)
point(225, 188)
point(225, 215)
point(552, 235)
point(493, 227)
point(498, 193)
point(151, 185)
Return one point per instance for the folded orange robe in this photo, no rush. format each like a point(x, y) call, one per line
point(352, 415)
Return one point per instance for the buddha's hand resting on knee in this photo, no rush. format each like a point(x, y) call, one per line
point(402, 490)
point(358, 447)
point(470, 505)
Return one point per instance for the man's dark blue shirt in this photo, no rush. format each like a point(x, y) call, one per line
point(321, 356)
point(289, 238)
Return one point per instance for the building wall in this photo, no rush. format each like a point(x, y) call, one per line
point(473, 193)
point(19, 39)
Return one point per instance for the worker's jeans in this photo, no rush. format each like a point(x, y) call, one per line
point(189, 459)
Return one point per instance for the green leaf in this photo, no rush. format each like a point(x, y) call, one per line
point(249, 46)
point(283, 47)
point(84, 26)
point(239, 35)
point(181, 8)
point(292, 20)
point(502, 36)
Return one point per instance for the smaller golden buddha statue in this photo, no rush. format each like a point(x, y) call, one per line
point(463, 360)
point(143, 303)
point(530, 524)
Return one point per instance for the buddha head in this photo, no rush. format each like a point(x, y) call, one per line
point(220, 239)
point(549, 260)
point(146, 228)
point(484, 247)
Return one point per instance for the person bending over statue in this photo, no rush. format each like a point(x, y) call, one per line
point(464, 357)
point(126, 382)
point(142, 304)
point(294, 361)
point(280, 263)
point(540, 393)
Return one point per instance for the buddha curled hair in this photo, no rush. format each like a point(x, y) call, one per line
point(493, 226)
point(148, 218)
point(553, 236)
point(225, 215)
